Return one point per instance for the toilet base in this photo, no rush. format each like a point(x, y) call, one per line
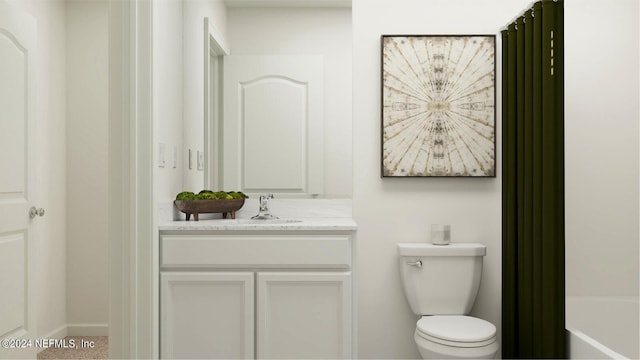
point(431, 350)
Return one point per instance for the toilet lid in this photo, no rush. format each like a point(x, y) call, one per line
point(456, 328)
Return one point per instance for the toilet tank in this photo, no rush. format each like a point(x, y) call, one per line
point(446, 279)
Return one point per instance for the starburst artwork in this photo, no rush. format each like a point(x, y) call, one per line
point(438, 106)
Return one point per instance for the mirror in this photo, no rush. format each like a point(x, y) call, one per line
point(269, 132)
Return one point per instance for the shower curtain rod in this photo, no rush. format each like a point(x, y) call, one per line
point(527, 8)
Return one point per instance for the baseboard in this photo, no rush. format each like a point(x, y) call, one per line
point(88, 330)
point(59, 333)
point(78, 330)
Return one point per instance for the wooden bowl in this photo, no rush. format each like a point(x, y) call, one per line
point(196, 207)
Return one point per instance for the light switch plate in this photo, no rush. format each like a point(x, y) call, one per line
point(200, 160)
point(174, 155)
point(161, 155)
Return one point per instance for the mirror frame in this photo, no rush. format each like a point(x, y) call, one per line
point(215, 45)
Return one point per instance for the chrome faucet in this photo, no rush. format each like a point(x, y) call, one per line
point(264, 213)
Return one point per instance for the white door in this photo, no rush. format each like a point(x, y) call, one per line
point(207, 315)
point(17, 115)
point(304, 315)
point(273, 124)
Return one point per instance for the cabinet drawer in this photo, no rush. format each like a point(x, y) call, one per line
point(299, 251)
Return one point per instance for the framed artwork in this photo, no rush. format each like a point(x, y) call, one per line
point(438, 105)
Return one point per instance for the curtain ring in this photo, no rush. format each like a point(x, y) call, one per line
point(532, 13)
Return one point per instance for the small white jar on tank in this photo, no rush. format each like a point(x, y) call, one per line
point(440, 234)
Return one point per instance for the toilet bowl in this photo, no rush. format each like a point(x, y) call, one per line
point(441, 283)
point(455, 337)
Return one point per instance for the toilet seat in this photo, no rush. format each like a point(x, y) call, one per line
point(456, 330)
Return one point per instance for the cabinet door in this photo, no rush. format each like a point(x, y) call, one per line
point(304, 315)
point(207, 315)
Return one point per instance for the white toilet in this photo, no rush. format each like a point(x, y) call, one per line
point(441, 283)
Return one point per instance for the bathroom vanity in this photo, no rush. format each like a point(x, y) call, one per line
point(257, 289)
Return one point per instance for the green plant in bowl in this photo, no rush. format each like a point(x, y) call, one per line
point(186, 195)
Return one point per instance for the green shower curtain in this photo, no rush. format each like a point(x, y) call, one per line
point(533, 321)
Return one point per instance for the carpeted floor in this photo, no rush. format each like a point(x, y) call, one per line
point(78, 347)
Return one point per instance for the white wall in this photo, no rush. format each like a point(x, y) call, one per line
point(50, 184)
point(194, 12)
point(167, 92)
point(86, 135)
point(393, 210)
point(168, 122)
point(309, 31)
point(601, 147)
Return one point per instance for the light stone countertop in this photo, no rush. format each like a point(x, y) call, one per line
point(294, 215)
point(282, 224)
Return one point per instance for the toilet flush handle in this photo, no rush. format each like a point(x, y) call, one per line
point(417, 264)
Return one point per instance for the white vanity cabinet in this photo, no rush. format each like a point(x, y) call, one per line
point(265, 295)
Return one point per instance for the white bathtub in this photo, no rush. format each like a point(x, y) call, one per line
point(602, 327)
